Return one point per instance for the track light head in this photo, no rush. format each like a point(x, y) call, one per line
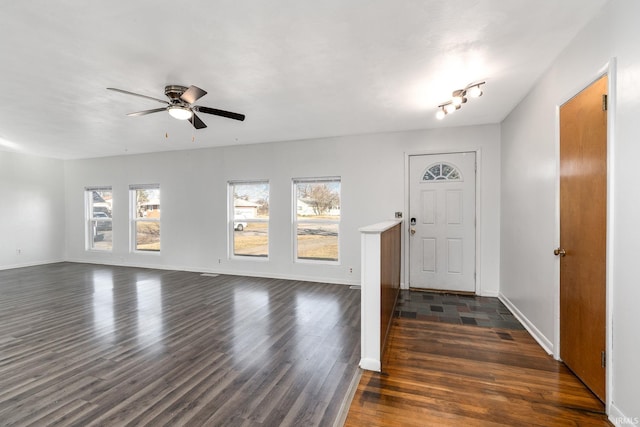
point(475, 91)
point(458, 97)
point(450, 108)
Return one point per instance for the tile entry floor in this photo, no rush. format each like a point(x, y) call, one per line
point(454, 308)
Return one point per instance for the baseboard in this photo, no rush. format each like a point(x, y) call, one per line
point(370, 364)
point(316, 279)
point(618, 419)
point(301, 278)
point(346, 402)
point(492, 294)
point(29, 264)
point(530, 327)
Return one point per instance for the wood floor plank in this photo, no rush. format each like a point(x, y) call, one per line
point(449, 375)
point(84, 345)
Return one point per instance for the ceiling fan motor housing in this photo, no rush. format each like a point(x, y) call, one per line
point(174, 92)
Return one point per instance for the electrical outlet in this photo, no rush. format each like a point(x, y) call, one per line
point(350, 270)
point(18, 251)
point(219, 260)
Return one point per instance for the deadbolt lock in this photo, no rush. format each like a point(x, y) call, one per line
point(559, 252)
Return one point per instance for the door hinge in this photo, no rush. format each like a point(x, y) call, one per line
point(605, 102)
point(603, 359)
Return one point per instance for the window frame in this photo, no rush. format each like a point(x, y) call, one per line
point(295, 221)
point(134, 219)
point(90, 219)
point(231, 220)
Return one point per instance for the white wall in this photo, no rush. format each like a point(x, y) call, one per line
point(32, 213)
point(194, 198)
point(529, 270)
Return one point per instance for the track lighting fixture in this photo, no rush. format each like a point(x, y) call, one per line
point(459, 97)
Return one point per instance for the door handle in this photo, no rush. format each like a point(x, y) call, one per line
point(559, 252)
point(412, 228)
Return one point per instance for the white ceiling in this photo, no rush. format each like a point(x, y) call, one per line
point(298, 69)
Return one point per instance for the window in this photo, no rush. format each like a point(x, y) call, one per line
point(317, 219)
point(145, 217)
point(99, 205)
point(249, 218)
point(442, 172)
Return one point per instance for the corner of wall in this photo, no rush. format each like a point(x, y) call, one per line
point(528, 325)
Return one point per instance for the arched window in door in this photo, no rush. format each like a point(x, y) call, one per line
point(442, 172)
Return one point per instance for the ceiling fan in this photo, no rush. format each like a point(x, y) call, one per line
point(180, 105)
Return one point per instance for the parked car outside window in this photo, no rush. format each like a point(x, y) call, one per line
point(102, 225)
point(239, 225)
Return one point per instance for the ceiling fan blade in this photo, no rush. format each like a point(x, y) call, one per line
point(196, 122)
point(126, 92)
point(192, 94)
point(145, 112)
point(222, 113)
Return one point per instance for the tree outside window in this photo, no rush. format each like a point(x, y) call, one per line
point(317, 219)
point(145, 218)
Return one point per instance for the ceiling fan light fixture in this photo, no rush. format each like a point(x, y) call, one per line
point(179, 112)
point(440, 114)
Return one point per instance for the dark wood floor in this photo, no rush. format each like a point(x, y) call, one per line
point(441, 374)
point(84, 345)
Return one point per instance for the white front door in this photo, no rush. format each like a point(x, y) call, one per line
point(442, 221)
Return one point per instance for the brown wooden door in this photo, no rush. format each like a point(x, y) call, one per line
point(583, 208)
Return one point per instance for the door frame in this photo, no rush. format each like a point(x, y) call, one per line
point(406, 225)
point(608, 69)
